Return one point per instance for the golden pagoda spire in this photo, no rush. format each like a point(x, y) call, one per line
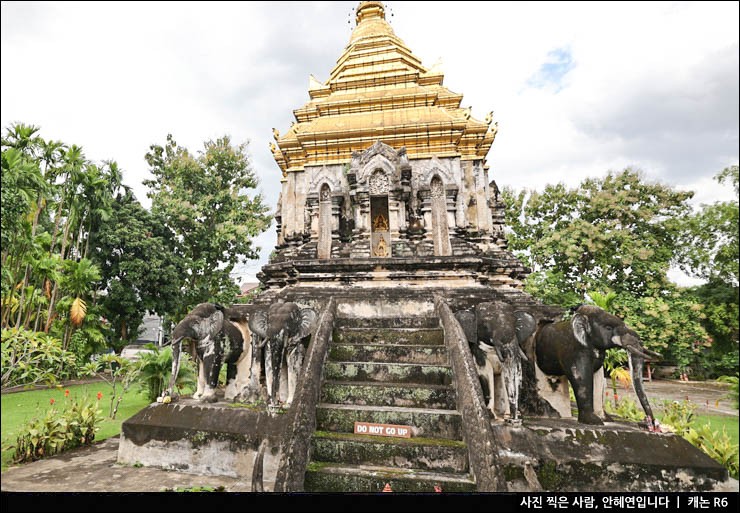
point(368, 10)
point(370, 19)
point(380, 90)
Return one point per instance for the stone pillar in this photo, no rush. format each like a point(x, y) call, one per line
point(440, 227)
point(481, 191)
point(295, 224)
point(289, 206)
point(323, 248)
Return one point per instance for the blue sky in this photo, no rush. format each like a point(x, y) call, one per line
point(578, 88)
point(552, 72)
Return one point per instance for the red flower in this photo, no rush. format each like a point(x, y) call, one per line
point(66, 393)
point(52, 401)
point(100, 395)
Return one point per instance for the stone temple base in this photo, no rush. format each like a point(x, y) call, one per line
point(210, 439)
point(564, 456)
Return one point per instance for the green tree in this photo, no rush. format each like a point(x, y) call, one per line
point(77, 280)
point(710, 248)
point(203, 200)
point(615, 232)
point(140, 269)
point(671, 324)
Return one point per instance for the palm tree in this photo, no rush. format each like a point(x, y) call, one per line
point(77, 281)
point(73, 162)
point(156, 368)
point(46, 270)
point(23, 138)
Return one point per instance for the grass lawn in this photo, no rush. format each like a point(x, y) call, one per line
point(20, 407)
point(717, 422)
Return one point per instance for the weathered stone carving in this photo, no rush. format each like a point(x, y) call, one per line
point(378, 184)
point(217, 340)
point(281, 330)
point(495, 331)
point(440, 226)
point(576, 348)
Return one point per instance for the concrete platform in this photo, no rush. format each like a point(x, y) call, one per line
point(95, 469)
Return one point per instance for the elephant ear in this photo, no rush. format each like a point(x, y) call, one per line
point(581, 328)
point(525, 325)
point(308, 321)
point(469, 325)
point(258, 323)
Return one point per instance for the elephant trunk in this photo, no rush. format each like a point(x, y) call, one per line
point(276, 360)
point(176, 343)
point(637, 356)
point(636, 365)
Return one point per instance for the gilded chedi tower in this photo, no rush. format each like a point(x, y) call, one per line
point(382, 163)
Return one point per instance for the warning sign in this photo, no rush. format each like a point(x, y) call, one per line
point(368, 428)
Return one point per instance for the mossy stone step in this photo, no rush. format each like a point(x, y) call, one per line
point(388, 372)
point(425, 422)
point(384, 394)
point(386, 322)
point(403, 336)
point(429, 355)
point(334, 477)
point(408, 453)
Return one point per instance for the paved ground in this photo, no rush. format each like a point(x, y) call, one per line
point(94, 469)
point(709, 397)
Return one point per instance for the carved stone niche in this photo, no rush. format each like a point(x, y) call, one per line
point(379, 179)
point(380, 156)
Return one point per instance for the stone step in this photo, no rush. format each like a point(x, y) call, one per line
point(388, 372)
point(408, 453)
point(334, 477)
point(425, 422)
point(387, 322)
point(429, 355)
point(401, 336)
point(384, 394)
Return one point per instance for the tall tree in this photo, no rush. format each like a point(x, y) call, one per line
point(140, 269)
point(617, 232)
point(710, 248)
point(204, 201)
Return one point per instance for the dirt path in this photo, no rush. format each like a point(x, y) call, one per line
point(710, 397)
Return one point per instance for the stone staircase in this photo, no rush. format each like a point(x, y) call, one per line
point(383, 375)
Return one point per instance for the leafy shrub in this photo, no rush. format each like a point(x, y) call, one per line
point(715, 364)
point(679, 416)
point(717, 445)
point(58, 430)
point(30, 357)
point(120, 373)
point(156, 369)
point(626, 408)
point(734, 388)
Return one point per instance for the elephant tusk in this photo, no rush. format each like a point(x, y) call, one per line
point(637, 352)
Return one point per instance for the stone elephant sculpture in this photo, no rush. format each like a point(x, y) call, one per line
point(495, 332)
point(218, 340)
point(576, 348)
point(280, 330)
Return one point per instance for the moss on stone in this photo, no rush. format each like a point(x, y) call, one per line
point(256, 406)
point(549, 476)
point(440, 442)
point(513, 473)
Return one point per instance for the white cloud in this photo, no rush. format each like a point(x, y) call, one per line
point(652, 85)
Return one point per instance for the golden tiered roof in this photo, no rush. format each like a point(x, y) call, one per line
point(379, 90)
